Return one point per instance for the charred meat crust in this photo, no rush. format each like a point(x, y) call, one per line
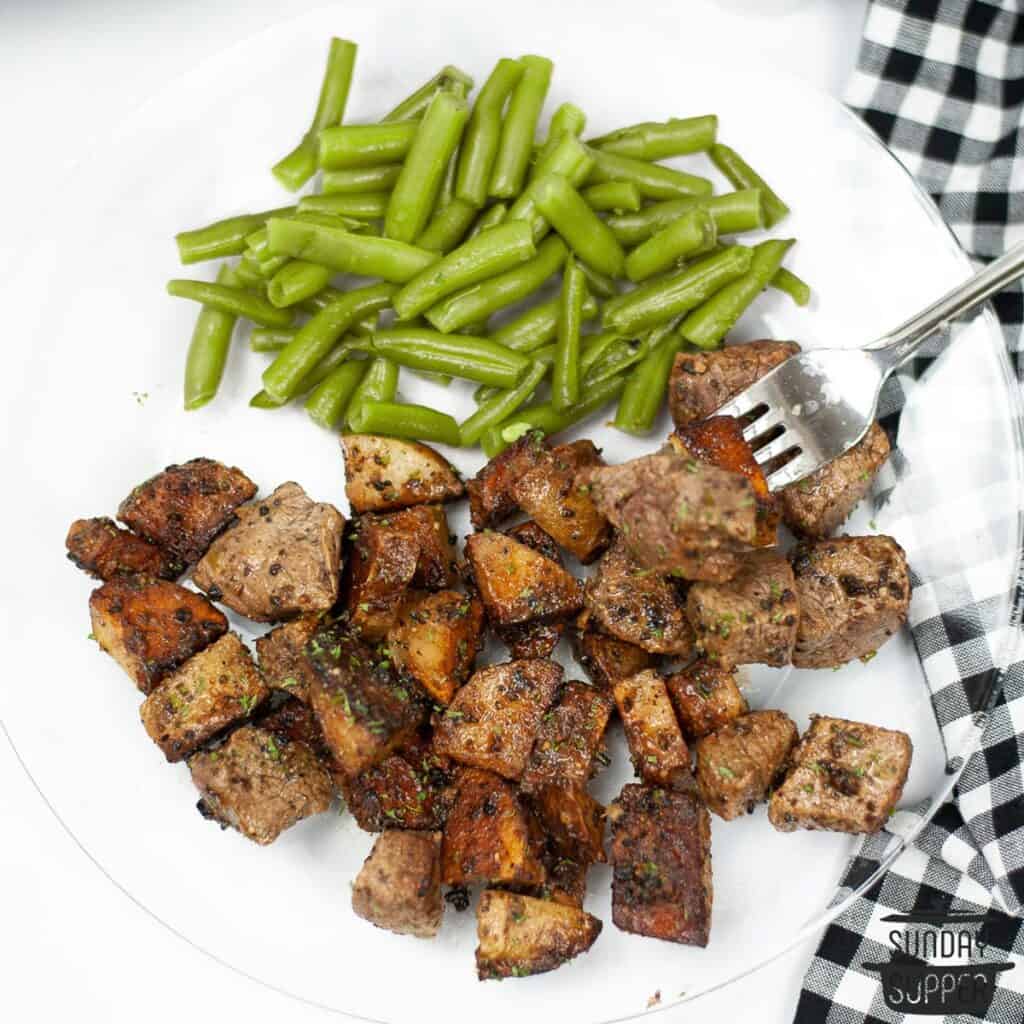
point(102, 549)
point(705, 697)
point(387, 473)
point(281, 655)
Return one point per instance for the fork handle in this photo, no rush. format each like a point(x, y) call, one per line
point(896, 347)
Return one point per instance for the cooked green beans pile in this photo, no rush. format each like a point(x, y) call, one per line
point(451, 209)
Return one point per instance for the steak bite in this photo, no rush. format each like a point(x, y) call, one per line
point(399, 884)
point(752, 618)
point(843, 776)
point(386, 473)
point(656, 745)
point(487, 835)
point(661, 865)
point(678, 515)
point(605, 658)
point(640, 607)
point(490, 491)
point(494, 719)
point(183, 508)
point(102, 549)
point(702, 382)
point(213, 689)
point(522, 935)
point(854, 594)
point(435, 639)
point(364, 710)
point(149, 627)
point(818, 505)
point(737, 764)
point(705, 697)
point(281, 655)
point(259, 787)
point(292, 721)
point(281, 558)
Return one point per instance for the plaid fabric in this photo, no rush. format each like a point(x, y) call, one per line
point(942, 83)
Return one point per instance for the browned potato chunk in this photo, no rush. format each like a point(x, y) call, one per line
point(281, 655)
point(605, 658)
point(567, 879)
point(656, 745)
point(436, 565)
point(705, 697)
point(751, 618)
point(737, 764)
point(517, 583)
point(661, 865)
point(183, 508)
point(102, 549)
point(292, 721)
point(399, 884)
point(843, 776)
point(258, 786)
point(213, 689)
point(487, 835)
point(522, 935)
point(435, 639)
point(490, 497)
point(493, 721)
point(363, 709)
point(573, 820)
point(149, 627)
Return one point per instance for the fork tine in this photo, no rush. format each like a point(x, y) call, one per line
point(768, 420)
point(782, 444)
point(741, 405)
point(796, 469)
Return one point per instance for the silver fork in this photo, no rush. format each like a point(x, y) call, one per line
point(824, 400)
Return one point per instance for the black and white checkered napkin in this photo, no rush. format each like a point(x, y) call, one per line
point(942, 83)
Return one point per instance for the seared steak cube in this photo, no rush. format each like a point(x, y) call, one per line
point(259, 787)
point(183, 508)
point(399, 884)
point(522, 935)
point(490, 491)
point(213, 689)
point(854, 593)
point(567, 879)
point(606, 658)
point(494, 719)
point(656, 745)
point(737, 764)
point(819, 504)
point(292, 721)
point(661, 865)
point(102, 549)
point(705, 697)
point(636, 605)
point(280, 559)
point(702, 382)
point(752, 618)
point(281, 655)
point(149, 627)
point(843, 776)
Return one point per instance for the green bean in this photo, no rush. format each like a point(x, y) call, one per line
point(657, 140)
point(602, 285)
point(483, 133)
point(447, 227)
point(379, 384)
point(329, 400)
point(270, 339)
point(693, 233)
point(537, 326)
point(249, 274)
point(365, 145)
point(294, 170)
point(646, 384)
point(339, 354)
point(484, 392)
point(208, 349)
point(318, 335)
point(490, 253)
point(479, 301)
point(223, 237)
point(656, 301)
point(613, 195)
point(501, 405)
point(520, 127)
point(594, 347)
point(355, 181)
point(347, 252)
point(261, 400)
point(565, 377)
point(231, 299)
point(570, 159)
point(585, 233)
point(416, 190)
point(652, 180)
point(742, 175)
point(490, 218)
point(796, 288)
point(568, 119)
point(619, 357)
point(733, 213)
point(449, 79)
point(707, 325)
point(362, 206)
point(458, 355)
point(295, 281)
point(398, 419)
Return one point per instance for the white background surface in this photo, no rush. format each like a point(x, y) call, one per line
point(72, 946)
